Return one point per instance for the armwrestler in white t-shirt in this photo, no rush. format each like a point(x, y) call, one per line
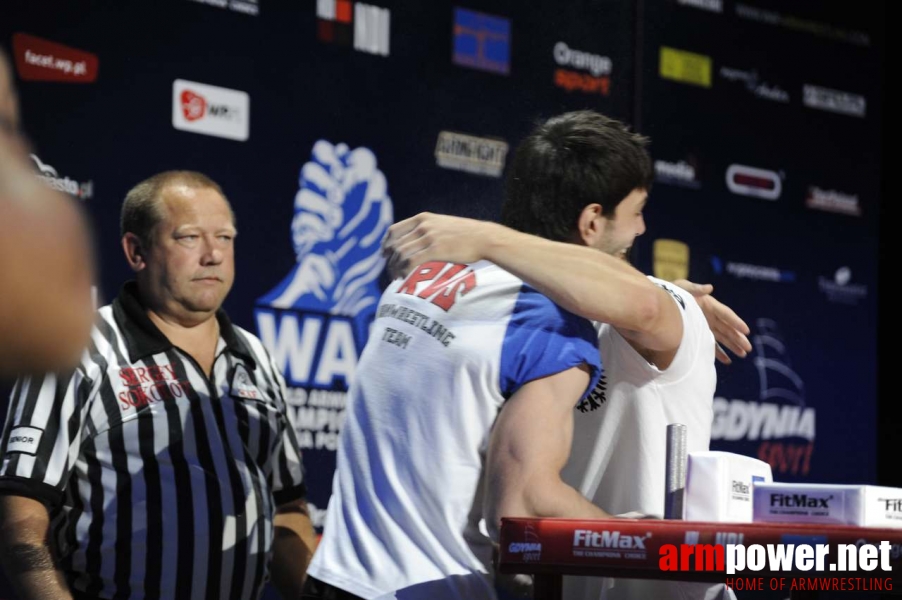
point(658, 370)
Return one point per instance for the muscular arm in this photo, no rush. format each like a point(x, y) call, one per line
point(25, 553)
point(293, 545)
point(530, 444)
point(583, 280)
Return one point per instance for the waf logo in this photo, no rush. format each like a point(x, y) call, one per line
point(193, 105)
point(316, 320)
point(143, 386)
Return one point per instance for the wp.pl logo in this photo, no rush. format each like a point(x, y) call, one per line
point(210, 110)
point(193, 106)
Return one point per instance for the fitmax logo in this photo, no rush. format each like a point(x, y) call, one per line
point(608, 539)
point(799, 500)
point(892, 504)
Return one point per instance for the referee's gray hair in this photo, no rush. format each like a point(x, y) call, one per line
point(141, 211)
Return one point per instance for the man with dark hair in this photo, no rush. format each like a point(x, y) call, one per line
point(46, 263)
point(584, 178)
point(568, 163)
point(462, 408)
point(165, 465)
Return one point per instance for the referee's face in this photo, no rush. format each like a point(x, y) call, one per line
point(191, 264)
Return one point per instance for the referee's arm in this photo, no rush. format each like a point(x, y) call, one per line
point(294, 539)
point(38, 449)
point(26, 554)
point(293, 544)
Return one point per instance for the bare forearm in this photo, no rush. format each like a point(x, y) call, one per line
point(31, 571)
point(25, 552)
point(293, 545)
point(584, 281)
point(556, 499)
point(549, 499)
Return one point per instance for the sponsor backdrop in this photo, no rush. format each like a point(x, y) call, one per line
point(327, 120)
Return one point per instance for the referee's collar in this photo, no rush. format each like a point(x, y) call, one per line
point(143, 338)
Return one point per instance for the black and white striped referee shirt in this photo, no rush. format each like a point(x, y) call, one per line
point(161, 482)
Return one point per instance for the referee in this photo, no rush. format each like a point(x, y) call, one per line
point(164, 466)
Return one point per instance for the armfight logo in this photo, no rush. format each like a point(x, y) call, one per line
point(38, 59)
point(83, 190)
point(462, 152)
point(315, 322)
point(779, 420)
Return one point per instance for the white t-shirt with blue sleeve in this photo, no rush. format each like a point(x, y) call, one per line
point(448, 346)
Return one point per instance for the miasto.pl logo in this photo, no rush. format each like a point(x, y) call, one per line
point(83, 190)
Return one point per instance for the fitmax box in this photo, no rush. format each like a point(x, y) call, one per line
point(862, 505)
point(719, 486)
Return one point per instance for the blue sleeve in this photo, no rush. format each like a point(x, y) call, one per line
point(543, 339)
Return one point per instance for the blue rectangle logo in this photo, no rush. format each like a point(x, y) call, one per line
point(481, 41)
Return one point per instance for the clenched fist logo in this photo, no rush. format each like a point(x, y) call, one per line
point(341, 212)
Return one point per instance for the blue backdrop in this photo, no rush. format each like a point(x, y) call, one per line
point(326, 120)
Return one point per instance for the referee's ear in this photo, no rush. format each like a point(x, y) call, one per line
point(134, 251)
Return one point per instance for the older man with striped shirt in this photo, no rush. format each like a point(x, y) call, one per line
point(165, 465)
